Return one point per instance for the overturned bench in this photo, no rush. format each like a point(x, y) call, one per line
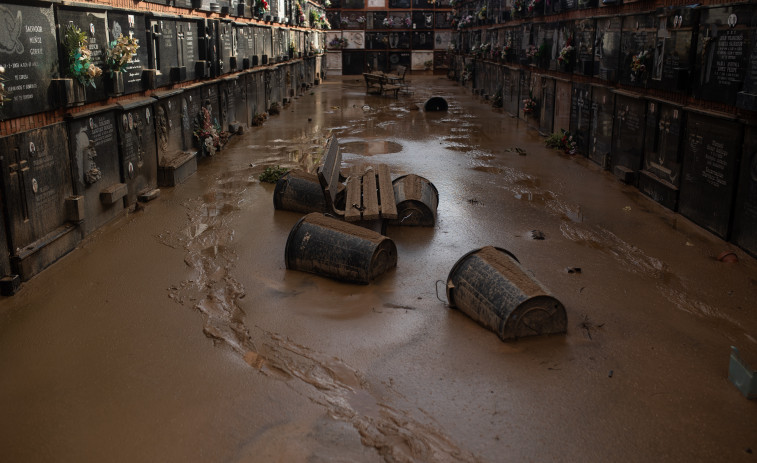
point(369, 192)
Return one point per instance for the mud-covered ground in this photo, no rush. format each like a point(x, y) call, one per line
point(176, 334)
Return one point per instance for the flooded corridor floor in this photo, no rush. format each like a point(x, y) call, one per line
point(175, 334)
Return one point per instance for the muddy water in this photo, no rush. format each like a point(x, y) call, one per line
point(177, 334)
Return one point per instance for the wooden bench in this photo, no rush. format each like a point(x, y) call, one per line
point(369, 195)
point(378, 84)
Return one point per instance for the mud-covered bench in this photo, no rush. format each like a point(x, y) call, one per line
point(369, 192)
point(376, 83)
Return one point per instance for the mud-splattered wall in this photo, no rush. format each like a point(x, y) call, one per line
point(82, 140)
point(663, 93)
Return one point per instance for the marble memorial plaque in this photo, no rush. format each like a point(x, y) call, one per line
point(94, 24)
point(241, 43)
point(442, 39)
point(93, 139)
point(400, 4)
point(132, 25)
point(443, 19)
point(547, 113)
point(607, 47)
point(600, 134)
point(137, 147)
point(170, 113)
point(376, 40)
point(353, 4)
point(586, 61)
point(163, 49)
point(226, 42)
point(422, 20)
point(510, 91)
point(27, 52)
point(353, 63)
point(36, 183)
point(376, 61)
point(628, 137)
point(745, 218)
point(423, 40)
point(723, 52)
point(580, 116)
point(673, 64)
point(661, 175)
point(355, 39)
point(563, 91)
point(399, 59)
point(441, 60)
point(355, 20)
point(747, 97)
point(711, 154)
point(209, 45)
point(638, 49)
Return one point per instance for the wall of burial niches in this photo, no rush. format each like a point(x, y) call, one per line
point(384, 34)
point(75, 156)
point(661, 94)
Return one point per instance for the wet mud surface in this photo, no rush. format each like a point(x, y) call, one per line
point(177, 334)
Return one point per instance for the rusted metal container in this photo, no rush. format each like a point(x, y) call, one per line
point(490, 286)
point(299, 191)
point(417, 199)
point(335, 249)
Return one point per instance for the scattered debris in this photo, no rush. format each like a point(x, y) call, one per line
point(729, 257)
point(365, 107)
point(537, 235)
point(474, 201)
point(743, 377)
point(518, 150)
point(389, 305)
point(627, 208)
point(573, 269)
point(689, 243)
point(609, 375)
point(589, 326)
point(272, 174)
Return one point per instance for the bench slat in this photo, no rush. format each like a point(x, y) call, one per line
point(370, 195)
point(353, 204)
point(386, 192)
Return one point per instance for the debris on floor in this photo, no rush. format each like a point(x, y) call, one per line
point(536, 235)
point(729, 257)
point(743, 377)
point(573, 269)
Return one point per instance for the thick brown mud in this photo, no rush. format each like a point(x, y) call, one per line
point(177, 334)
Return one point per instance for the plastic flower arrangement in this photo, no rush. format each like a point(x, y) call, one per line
point(338, 42)
point(3, 91)
point(533, 4)
point(360, 20)
point(388, 22)
point(300, 12)
point(482, 13)
point(638, 62)
point(206, 132)
point(323, 22)
point(563, 141)
point(485, 48)
point(80, 65)
point(263, 5)
point(518, 6)
point(507, 47)
point(120, 53)
point(529, 105)
point(313, 18)
point(532, 52)
point(566, 53)
point(408, 22)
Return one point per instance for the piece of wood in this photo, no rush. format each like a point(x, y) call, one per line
point(371, 210)
point(353, 206)
point(386, 192)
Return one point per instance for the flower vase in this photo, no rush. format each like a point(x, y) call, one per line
point(116, 84)
point(71, 92)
